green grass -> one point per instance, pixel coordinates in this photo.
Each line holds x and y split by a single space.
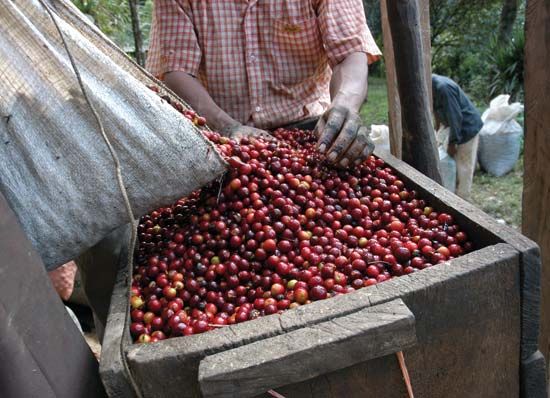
375 110
499 197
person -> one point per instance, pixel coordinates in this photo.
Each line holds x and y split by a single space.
453 109
250 65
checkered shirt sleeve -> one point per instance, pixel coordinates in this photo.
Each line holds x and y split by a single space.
344 30
173 43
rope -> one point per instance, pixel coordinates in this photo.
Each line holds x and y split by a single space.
405 373
119 179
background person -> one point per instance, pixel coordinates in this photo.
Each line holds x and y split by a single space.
453 109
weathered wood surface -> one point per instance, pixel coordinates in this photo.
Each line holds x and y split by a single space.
308 352
43 353
425 30
116 336
536 188
419 147
394 103
488 230
467 331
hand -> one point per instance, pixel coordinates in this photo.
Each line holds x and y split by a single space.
343 137
239 131
451 150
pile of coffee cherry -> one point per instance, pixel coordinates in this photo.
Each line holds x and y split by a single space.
282 229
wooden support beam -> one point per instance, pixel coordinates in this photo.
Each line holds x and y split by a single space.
419 147
43 353
536 183
394 103
425 31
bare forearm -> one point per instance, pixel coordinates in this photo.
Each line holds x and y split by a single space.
194 93
348 85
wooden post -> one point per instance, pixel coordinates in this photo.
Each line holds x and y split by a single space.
394 103
426 46
419 148
536 183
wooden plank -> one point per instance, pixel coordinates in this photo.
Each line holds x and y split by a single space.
486 230
425 31
467 336
112 368
43 352
323 348
419 148
536 188
394 104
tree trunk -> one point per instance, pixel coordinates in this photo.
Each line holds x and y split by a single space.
507 19
138 43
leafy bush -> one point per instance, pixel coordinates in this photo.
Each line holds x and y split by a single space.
461 32
506 66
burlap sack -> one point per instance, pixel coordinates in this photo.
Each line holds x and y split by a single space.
55 170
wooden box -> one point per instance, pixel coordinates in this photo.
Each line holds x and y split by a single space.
467 327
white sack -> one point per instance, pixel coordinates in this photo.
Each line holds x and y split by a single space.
447 166
500 136
499 113
446 163
380 136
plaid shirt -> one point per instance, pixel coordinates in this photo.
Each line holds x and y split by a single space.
264 62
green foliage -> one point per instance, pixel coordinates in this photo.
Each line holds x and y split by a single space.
113 18
461 31
374 21
506 66
372 11
464 47
375 110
